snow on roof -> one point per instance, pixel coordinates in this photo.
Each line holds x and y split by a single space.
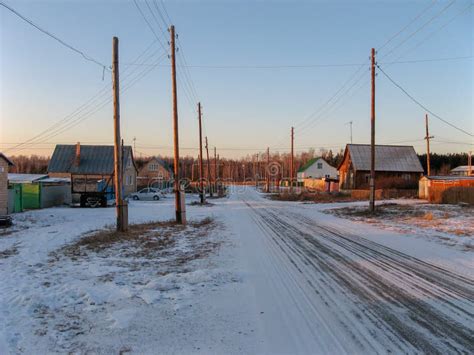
25 178
387 158
6 159
462 168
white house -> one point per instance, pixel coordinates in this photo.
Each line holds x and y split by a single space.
462 170
316 168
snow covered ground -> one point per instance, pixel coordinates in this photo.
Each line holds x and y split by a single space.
262 277
452 225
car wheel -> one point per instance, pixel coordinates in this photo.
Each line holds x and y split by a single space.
135 197
156 198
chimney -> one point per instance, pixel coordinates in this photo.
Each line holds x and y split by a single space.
77 159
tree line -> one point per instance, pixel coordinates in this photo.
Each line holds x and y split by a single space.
249 166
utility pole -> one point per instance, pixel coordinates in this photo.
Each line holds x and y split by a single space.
120 206
208 169
428 137
469 164
256 173
267 187
372 135
201 177
292 159
180 213
350 128
217 174
215 170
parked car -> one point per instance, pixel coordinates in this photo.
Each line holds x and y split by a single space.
147 194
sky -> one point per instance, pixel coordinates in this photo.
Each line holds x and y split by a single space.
257 67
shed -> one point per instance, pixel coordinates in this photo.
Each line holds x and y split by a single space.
462 170
5 164
395 166
33 191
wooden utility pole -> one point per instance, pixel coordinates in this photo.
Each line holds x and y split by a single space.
427 137
256 173
292 158
180 213
372 135
469 164
120 206
208 169
215 170
201 174
267 186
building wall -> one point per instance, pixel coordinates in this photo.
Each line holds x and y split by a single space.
362 178
3 187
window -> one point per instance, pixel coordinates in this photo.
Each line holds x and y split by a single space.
129 180
153 167
367 178
320 165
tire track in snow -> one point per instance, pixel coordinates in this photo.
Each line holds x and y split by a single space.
416 304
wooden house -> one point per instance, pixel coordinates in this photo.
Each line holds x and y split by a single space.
91 170
5 164
156 172
395 166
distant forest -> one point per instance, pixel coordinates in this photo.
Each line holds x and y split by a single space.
441 164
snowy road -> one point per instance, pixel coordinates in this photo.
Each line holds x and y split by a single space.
287 279
323 288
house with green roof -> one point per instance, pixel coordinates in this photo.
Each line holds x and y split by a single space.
316 168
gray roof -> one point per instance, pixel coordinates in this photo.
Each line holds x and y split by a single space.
25 178
397 158
95 159
462 168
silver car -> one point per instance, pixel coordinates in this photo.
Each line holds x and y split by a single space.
147 194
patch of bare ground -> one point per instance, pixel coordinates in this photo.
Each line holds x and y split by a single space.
145 244
455 220
312 197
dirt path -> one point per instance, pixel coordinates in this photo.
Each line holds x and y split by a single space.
352 294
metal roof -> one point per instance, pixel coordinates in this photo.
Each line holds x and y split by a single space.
25 178
387 158
448 178
94 159
462 168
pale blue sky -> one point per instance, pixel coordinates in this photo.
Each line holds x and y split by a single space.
245 109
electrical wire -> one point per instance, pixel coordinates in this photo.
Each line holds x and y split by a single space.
423 106
56 38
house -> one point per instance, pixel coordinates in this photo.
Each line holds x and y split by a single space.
33 191
395 166
5 164
316 168
91 170
462 170
447 189
156 172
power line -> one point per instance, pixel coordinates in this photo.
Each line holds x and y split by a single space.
419 28
93 101
88 109
62 42
421 105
